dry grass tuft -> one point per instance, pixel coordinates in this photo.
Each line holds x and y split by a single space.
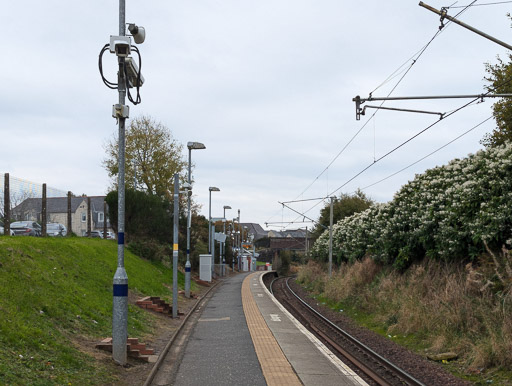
467 309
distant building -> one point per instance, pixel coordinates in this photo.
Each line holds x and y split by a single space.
57 211
255 230
291 233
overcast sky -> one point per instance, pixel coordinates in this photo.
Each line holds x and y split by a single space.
267 86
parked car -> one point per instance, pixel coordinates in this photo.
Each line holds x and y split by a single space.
26 228
2 231
111 235
56 229
97 234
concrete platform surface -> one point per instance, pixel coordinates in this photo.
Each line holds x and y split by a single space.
312 361
243 336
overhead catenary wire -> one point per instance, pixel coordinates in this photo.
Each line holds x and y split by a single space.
396 73
478 5
428 155
322 199
401 145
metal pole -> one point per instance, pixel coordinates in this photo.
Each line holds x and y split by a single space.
213 248
120 303
330 238
89 217
7 206
105 220
428 97
224 244
175 247
233 243
239 242
242 242
189 224
443 14
307 246
43 212
209 222
70 226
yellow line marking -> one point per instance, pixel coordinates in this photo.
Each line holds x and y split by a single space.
276 368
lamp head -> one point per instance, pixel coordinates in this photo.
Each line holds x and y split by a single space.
214 189
195 145
227 207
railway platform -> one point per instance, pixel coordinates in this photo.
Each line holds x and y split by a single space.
245 337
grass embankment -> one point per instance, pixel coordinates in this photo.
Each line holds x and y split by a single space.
55 292
431 308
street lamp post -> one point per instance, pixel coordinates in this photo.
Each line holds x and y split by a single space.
191 146
239 241
235 242
224 243
211 189
211 235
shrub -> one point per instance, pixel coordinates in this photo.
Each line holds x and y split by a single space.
441 305
446 213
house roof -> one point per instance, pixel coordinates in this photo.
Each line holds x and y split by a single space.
256 230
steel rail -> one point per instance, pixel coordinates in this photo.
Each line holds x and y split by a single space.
404 376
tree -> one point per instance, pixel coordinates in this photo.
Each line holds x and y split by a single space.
500 82
344 206
152 157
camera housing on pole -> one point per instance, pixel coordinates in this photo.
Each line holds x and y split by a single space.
138 33
121 46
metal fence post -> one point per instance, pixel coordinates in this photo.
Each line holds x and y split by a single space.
104 219
43 212
89 217
70 222
7 206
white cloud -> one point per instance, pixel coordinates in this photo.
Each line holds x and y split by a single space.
267 86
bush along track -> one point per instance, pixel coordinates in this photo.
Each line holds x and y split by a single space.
447 213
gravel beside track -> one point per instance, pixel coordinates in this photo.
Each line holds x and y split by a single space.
420 368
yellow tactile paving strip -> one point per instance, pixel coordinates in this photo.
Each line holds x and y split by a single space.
276 368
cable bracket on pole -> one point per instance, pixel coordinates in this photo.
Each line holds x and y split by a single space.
361 111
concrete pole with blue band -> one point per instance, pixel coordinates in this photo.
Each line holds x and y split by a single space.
120 302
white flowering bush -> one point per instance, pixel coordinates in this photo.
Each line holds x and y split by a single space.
446 213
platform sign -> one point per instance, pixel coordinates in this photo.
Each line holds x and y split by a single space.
221 237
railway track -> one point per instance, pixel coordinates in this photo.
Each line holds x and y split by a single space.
374 366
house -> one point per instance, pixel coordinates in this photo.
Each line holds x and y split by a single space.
289 233
255 230
57 211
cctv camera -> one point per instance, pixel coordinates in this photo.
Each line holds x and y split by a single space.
120 45
133 72
138 33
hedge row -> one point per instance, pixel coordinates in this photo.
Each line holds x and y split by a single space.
445 213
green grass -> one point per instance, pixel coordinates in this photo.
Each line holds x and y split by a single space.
56 290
